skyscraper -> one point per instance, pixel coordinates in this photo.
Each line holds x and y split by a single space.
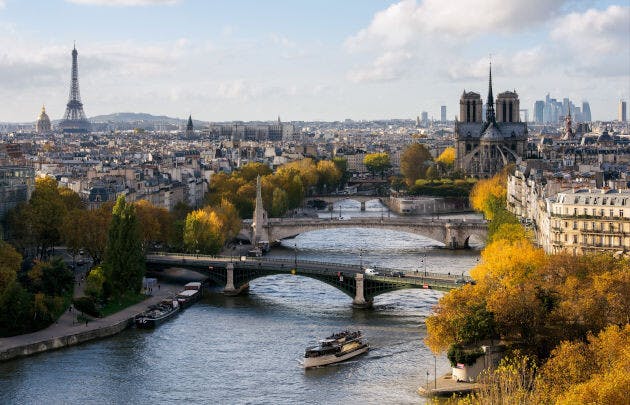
539 108
443 113
74 120
623 109
586 112
425 118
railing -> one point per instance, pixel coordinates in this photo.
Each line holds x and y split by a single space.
253 262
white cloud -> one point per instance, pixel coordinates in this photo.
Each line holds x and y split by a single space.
407 21
389 66
123 3
2 3
599 31
523 63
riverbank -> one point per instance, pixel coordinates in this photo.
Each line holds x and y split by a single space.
66 331
445 387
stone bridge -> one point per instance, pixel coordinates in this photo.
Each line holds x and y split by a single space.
453 233
330 199
234 275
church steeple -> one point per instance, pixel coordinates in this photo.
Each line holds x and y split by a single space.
490 117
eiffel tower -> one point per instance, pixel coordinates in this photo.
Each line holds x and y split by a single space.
74 120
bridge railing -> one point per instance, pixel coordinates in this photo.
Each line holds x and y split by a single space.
314 264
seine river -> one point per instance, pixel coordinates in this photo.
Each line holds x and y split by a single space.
246 350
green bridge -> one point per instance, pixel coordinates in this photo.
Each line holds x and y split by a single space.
234 274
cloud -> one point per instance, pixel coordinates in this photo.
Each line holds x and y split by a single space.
123 3
599 31
387 67
2 4
523 63
407 21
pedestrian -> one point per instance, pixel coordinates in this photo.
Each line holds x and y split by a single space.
158 287
86 321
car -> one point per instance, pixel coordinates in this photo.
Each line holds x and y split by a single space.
398 274
371 272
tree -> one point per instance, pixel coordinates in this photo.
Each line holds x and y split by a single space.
447 157
489 195
202 232
377 163
230 221
413 162
280 203
155 223
52 278
10 262
124 263
342 166
44 214
94 283
431 173
328 175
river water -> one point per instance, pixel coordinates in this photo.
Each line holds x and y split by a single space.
233 350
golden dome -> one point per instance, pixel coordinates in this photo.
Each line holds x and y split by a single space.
43 122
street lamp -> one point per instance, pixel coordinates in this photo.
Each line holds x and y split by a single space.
425 264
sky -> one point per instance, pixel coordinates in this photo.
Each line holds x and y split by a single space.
309 59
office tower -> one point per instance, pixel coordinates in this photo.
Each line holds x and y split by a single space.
425 118
539 108
443 113
622 111
586 112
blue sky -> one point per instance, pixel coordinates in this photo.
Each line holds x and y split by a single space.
308 60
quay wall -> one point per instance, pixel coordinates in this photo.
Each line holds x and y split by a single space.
66 341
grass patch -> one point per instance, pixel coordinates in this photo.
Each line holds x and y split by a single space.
118 304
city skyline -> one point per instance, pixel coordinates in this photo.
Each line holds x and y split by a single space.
358 60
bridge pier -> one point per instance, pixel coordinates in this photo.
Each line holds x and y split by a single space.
230 289
359 300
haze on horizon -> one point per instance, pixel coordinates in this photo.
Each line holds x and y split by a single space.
321 60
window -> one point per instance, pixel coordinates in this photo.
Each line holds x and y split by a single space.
575 225
575 239
611 212
574 211
585 212
620 213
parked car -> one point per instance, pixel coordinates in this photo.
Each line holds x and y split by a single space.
371 272
398 274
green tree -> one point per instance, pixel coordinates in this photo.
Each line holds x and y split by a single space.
52 278
10 261
342 166
124 263
413 163
377 163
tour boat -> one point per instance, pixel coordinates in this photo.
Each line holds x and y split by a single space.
335 348
156 314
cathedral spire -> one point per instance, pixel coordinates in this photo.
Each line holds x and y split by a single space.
490 117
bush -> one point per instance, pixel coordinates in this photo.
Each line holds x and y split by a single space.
87 305
456 354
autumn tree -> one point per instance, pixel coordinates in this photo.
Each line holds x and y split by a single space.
328 176
10 262
155 223
280 203
87 229
124 264
447 157
377 163
202 232
413 163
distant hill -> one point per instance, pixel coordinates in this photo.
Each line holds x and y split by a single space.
137 117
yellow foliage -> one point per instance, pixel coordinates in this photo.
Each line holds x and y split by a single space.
508 263
488 193
589 373
447 157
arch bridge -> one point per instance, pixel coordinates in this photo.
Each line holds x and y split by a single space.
454 233
235 275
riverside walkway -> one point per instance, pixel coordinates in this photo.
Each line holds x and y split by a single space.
234 274
68 332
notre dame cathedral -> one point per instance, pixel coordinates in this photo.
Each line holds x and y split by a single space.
483 147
